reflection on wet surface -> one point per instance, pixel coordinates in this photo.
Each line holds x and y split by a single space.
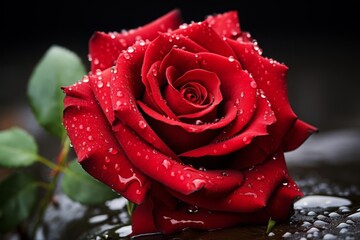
326 168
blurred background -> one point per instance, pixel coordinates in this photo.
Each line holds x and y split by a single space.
318 42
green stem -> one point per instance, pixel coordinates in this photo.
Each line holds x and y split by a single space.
56 169
47 162
43 185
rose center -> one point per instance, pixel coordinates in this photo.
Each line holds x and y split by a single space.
193 92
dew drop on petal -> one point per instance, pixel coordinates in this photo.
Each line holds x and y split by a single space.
253 84
198 183
142 124
113 151
100 84
166 163
231 58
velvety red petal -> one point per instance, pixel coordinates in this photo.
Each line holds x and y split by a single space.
260 183
297 135
142 220
156 51
175 175
279 208
181 136
205 36
225 24
226 144
184 108
270 76
126 87
105 48
96 147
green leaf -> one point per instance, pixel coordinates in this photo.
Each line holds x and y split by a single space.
82 187
17 148
270 226
58 67
17 200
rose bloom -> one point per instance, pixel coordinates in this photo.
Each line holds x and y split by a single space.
188 121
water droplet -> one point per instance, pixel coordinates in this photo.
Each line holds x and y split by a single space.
231 58
193 209
81 126
166 163
225 174
96 61
130 49
253 84
107 159
246 140
271 234
202 169
199 122
142 124
154 72
198 183
90 138
119 93
113 151
88 129
126 55
260 178
100 84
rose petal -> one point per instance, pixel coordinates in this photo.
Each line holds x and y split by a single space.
181 136
142 220
157 50
204 35
100 84
105 47
184 108
225 24
297 135
97 150
227 142
270 76
169 221
173 174
236 85
126 87
252 195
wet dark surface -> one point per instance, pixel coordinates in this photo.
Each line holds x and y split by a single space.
327 174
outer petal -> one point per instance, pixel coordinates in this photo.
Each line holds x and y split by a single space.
168 221
252 195
230 141
96 147
105 47
173 174
270 76
126 87
226 24
297 135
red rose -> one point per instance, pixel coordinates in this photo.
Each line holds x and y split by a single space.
188 121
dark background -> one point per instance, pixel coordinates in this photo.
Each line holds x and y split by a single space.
318 42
